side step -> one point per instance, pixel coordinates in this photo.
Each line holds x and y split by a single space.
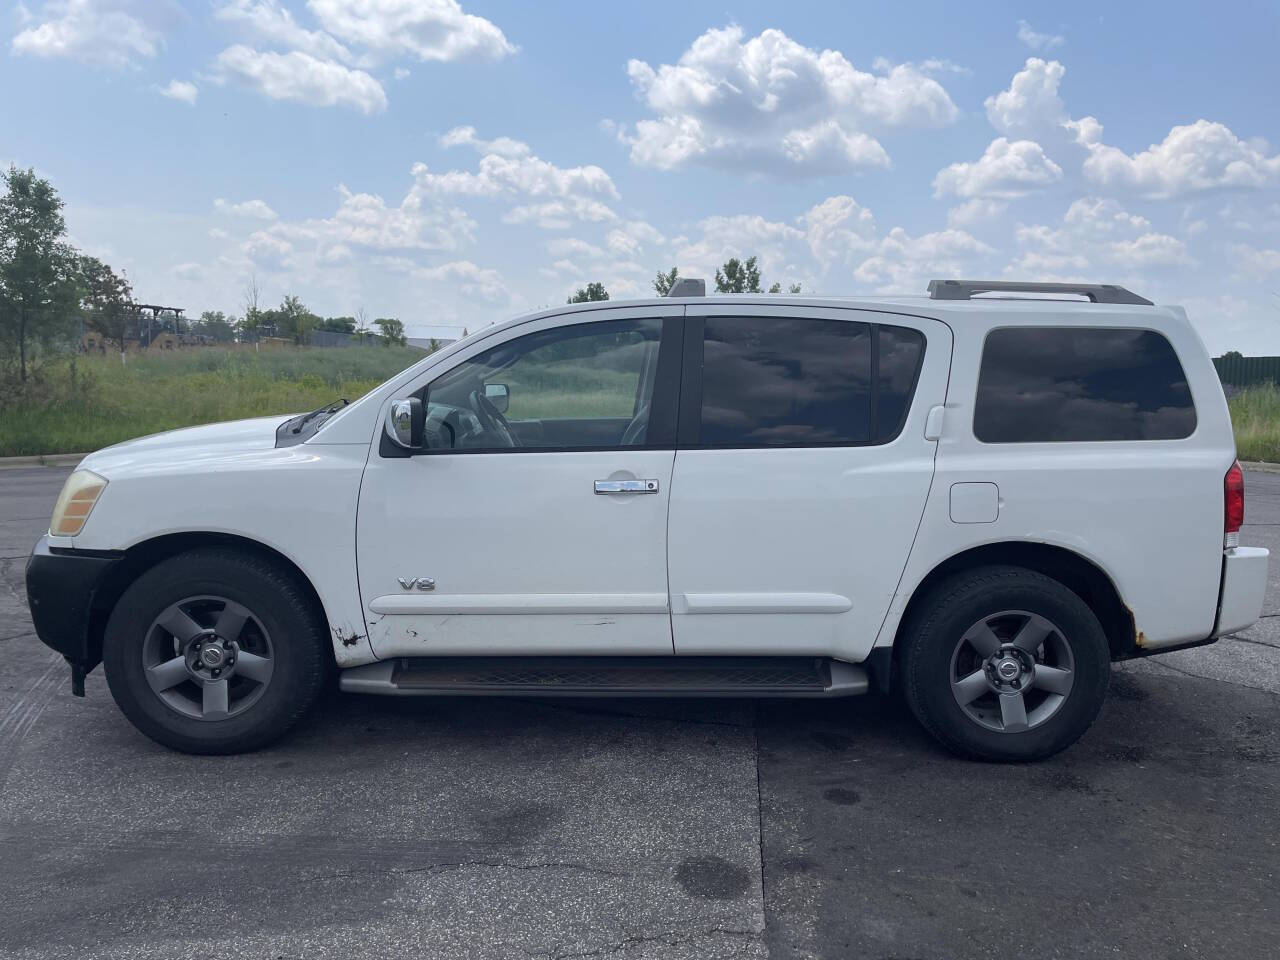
608 677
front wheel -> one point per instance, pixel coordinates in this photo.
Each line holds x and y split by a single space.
215 651
1003 663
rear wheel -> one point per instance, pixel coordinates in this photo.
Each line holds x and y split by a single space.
1002 663
215 651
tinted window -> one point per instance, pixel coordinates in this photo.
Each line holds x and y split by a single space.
1056 384
784 381
898 362
576 387
780 381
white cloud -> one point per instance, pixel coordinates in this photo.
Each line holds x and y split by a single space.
632 237
269 21
574 247
742 236
469 279
1096 235
771 104
903 263
1256 261
249 209
1103 215
301 77
975 211
426 29
1005 170
1036 40
180 90
509 168
1195 157
836 227
96 32
1031 104
466 136
1149 250
560 214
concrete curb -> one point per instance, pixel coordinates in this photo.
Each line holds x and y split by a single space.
1260 466
43 460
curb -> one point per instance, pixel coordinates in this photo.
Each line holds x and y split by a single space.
43 460
1260 466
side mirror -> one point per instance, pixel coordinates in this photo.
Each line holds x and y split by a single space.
499 394
406 424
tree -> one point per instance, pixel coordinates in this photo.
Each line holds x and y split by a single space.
392 331
663 282
38 277
250 326
738 277
215 325
777 288
294 320
589 294
337 325
108 302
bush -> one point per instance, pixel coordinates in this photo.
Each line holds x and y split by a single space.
1255 415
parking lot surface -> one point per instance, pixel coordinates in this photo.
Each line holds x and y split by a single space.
526 828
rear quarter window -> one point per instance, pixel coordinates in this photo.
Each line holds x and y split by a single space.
1062 384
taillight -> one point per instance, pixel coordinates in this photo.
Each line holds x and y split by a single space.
1233 515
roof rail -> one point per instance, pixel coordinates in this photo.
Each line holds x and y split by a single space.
1097 292
688 287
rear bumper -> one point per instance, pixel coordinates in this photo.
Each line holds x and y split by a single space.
61 586
1244 586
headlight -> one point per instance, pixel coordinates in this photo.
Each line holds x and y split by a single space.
75 503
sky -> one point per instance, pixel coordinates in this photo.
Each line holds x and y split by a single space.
452 164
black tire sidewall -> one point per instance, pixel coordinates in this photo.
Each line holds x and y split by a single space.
275 600
961 602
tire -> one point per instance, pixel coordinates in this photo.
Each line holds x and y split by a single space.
959 659
188 687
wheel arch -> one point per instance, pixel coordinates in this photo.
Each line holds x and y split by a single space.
1077 573
146 554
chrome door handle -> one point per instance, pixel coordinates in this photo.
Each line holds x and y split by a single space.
626 486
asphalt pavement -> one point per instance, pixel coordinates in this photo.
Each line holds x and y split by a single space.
637 829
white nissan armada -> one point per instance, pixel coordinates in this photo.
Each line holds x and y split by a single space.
979 501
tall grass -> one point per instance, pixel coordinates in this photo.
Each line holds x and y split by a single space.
110 402
1255 415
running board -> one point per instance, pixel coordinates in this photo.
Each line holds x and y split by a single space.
608 677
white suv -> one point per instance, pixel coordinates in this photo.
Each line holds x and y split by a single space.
981 501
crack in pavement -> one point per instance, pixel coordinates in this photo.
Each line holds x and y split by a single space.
1200 676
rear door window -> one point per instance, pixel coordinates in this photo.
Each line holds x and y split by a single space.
798 382
1062 384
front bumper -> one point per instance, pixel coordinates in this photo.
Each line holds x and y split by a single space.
61 586
1244 586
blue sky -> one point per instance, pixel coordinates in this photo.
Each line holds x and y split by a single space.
454 164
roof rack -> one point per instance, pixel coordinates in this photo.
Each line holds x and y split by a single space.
1097 292
688 287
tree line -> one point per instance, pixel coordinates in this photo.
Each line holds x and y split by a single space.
735 276
50 293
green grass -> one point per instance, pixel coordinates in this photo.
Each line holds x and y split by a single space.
111 402
1255 415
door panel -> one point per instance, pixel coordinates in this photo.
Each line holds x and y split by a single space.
792 549
525 556
501 544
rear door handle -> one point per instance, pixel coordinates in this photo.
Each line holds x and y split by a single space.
626 486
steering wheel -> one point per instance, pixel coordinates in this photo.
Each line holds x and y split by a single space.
635 432
492 420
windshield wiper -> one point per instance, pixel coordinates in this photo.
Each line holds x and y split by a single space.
326 410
